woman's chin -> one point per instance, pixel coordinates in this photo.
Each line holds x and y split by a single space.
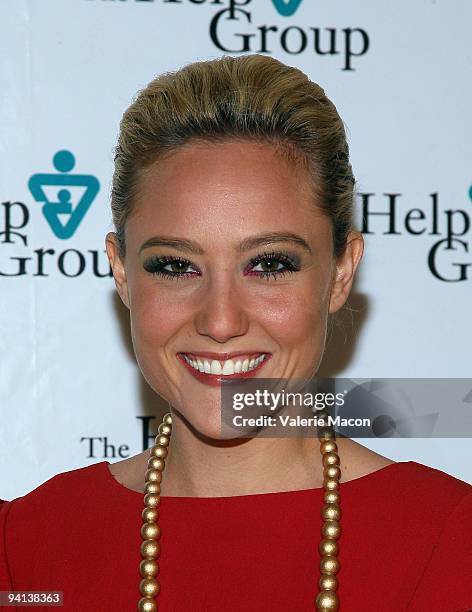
208 425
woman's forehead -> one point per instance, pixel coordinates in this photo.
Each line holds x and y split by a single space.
234 179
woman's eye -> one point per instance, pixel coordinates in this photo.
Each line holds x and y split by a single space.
269 265
169 267
176 267
273 265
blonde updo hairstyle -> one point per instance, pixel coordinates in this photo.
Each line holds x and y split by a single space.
250 97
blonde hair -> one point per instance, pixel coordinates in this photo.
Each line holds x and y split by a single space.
254 97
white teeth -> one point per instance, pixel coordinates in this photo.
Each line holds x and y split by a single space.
229 366
216 367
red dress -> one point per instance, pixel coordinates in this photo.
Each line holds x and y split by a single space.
406 545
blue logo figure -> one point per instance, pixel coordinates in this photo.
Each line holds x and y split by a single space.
64 162
286 8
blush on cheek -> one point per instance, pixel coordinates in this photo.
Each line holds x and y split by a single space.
299 327
294 316
155 321
156 317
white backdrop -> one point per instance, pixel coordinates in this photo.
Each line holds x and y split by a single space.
400 75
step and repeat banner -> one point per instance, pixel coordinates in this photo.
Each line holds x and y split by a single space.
399 73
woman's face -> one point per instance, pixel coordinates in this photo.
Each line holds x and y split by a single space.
226 252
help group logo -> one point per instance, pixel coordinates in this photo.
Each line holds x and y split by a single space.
65 197
64 216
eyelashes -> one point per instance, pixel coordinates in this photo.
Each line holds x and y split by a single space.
289 263
157 263
175 268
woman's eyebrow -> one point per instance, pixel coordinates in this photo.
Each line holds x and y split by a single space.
272 237
183 244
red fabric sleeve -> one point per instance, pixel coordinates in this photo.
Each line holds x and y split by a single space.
446 583
5 578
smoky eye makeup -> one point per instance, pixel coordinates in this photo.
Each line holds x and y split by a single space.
169 266
291 260
268 265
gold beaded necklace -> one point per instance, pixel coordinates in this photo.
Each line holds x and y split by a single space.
326 598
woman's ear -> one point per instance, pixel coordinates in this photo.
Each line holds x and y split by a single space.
117 266
346 266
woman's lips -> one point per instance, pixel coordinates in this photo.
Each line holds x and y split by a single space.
215 379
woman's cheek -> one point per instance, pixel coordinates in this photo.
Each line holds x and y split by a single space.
155 320
292 319
156 313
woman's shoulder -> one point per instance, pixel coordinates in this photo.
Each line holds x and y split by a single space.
425 494
422 481
77 488
79 504
43 515
433 481
403 482
434 510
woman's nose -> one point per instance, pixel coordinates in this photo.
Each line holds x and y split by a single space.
222 313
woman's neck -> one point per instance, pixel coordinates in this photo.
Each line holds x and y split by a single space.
196 467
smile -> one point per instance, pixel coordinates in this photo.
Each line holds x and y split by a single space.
212 371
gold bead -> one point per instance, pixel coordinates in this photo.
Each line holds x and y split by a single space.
162 440
147 605
152 487
167 418
159 451
329 565
326 434
328 547
165 429
150 515
328 446
149 587
331 512
155 463
332 471
150 549
327 600
330 459
152 500
331 530
332 497
150 531
148 568
153 475
331 484
328 582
